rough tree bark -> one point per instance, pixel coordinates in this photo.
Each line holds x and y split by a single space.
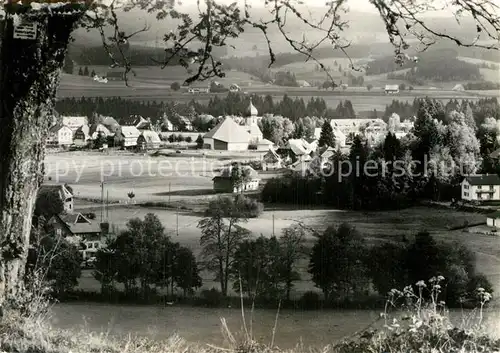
29 76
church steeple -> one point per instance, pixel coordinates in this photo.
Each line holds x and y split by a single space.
251 114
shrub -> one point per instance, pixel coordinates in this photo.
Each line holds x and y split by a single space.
189 139
250 206
310 300
212 297
175 86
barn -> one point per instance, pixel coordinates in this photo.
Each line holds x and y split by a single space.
227 136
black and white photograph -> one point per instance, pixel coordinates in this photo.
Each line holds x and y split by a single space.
250 176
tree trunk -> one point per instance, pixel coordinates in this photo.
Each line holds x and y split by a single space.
29 76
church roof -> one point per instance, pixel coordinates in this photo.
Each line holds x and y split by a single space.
228 131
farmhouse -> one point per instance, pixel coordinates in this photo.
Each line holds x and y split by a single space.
98 129
64 194
271 161
82 136
227 136
459 87
110 123
353 126
186 123
76 224
296 149
375 131
391 89
225 183
481 187
60 135
149 140
493 219
74 122
127 136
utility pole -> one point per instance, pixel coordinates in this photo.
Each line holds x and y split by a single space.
273 224
102 201
107 205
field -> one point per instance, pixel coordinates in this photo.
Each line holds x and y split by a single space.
153 83
203 325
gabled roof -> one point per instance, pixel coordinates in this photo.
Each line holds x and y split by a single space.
483 179
108 121
495 215
85 129
79 224
151 136
130 131
57 127
228 131
132 120
328 153
392 87
254 130
98 127
271 156
299 146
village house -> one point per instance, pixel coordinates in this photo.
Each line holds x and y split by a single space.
188 126
295 150
60 136
148 140
98 129
340 137
224 183
62 191
127 137
264 145
227 136
133 120
493 220
271 161
375 131
75 224
391 89
110 123
481 187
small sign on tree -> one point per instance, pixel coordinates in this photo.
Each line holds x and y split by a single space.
25 30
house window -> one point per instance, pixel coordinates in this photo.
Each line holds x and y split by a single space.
58 232
466 186
479 187
89 245
492 187
466 194
96 245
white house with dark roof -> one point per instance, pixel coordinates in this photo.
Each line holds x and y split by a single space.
227 136
481 187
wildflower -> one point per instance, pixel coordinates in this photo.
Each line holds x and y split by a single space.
437 287
432 280
480 289
421 284
440 278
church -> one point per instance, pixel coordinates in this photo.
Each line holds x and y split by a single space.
228 135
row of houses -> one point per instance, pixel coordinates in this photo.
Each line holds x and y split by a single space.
134 131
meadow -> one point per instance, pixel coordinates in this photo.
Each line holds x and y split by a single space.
153 83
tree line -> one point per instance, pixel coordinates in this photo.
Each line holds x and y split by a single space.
339 260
